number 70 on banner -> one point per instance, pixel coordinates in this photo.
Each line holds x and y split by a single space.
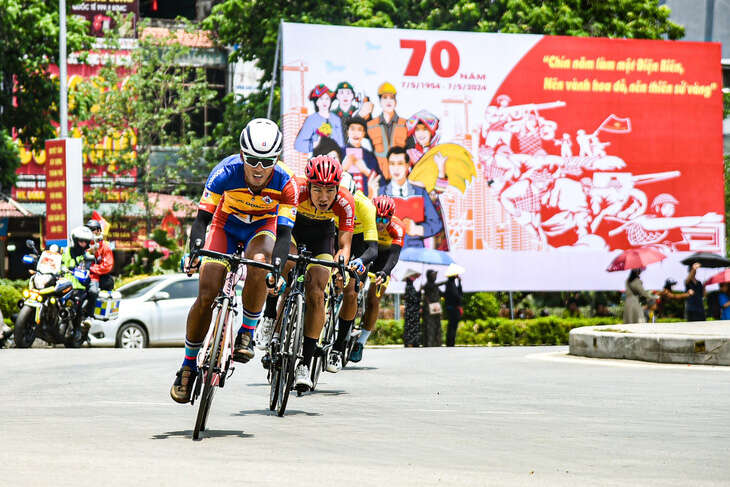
418 53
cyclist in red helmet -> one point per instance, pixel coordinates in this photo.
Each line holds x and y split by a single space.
321 202
390 242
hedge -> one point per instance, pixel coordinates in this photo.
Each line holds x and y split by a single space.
551 330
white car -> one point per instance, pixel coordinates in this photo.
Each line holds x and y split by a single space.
153 311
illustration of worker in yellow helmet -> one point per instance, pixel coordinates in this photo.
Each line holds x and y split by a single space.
387 130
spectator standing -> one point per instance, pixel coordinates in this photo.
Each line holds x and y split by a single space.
412 322
724 300
452 298
633 311
694 306
432 334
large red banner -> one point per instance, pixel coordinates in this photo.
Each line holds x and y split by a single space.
537 158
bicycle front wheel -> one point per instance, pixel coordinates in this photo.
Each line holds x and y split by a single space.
291 344
212 355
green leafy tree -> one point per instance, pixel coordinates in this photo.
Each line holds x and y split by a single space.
253 26
150 101
28 95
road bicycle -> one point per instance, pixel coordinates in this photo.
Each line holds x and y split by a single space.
215 359
333 304
354 333
286 351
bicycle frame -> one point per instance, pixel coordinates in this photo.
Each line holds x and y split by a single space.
227 303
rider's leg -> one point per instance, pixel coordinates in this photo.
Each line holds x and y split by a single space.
315 283
371 316
255 289
212 276
347 315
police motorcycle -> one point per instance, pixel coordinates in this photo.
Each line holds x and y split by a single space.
43 299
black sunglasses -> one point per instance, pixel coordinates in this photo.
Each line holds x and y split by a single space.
265 162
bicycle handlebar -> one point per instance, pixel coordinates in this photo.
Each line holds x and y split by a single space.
384 284
240 260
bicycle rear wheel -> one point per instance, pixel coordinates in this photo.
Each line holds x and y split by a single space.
291 344
211 363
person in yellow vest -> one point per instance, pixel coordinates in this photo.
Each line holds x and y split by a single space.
388 130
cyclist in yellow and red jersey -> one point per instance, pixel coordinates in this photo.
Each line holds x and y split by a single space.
321 202
390 242
364 251
248 198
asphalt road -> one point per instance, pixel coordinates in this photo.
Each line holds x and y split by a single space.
464 416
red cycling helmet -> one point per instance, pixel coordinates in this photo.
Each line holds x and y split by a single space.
324 170
384 205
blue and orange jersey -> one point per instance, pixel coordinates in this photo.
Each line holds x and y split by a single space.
392 234
226 194
342 211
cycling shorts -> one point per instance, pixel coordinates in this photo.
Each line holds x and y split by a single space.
317 235
225 240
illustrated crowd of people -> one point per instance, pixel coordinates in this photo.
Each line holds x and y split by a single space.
380 152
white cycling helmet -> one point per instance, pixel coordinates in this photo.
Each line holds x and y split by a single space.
81 233
261 138
348 182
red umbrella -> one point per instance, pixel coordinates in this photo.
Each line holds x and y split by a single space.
635 259
723 276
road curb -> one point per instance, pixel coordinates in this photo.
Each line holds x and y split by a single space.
702 343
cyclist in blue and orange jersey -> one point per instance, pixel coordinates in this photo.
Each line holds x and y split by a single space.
251 199
321 202
390 242
364 251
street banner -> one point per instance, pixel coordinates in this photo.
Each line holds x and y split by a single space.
531 160
64 190
100 13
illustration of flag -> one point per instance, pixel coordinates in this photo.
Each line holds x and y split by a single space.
104 224
615 125
170 223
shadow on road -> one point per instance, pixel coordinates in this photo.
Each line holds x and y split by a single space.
266 412
334 392
350 367
205 434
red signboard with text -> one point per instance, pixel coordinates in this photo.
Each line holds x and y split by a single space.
56 224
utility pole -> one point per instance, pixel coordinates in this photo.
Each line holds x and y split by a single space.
62 68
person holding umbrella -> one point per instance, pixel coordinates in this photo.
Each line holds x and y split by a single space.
636 260
694 306
633 311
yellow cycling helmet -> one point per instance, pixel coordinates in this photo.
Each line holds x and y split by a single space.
386 89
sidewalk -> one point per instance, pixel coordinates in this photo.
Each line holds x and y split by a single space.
701 343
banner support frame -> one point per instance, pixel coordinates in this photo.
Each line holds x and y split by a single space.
274 71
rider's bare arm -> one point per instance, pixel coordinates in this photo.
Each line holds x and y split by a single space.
345 241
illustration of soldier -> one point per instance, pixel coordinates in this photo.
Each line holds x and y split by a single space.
346 105
657 228
566 146
321 123
523 200
359 161
412 203
387 130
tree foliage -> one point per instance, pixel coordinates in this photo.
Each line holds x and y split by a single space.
152 100
28 96
253 25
